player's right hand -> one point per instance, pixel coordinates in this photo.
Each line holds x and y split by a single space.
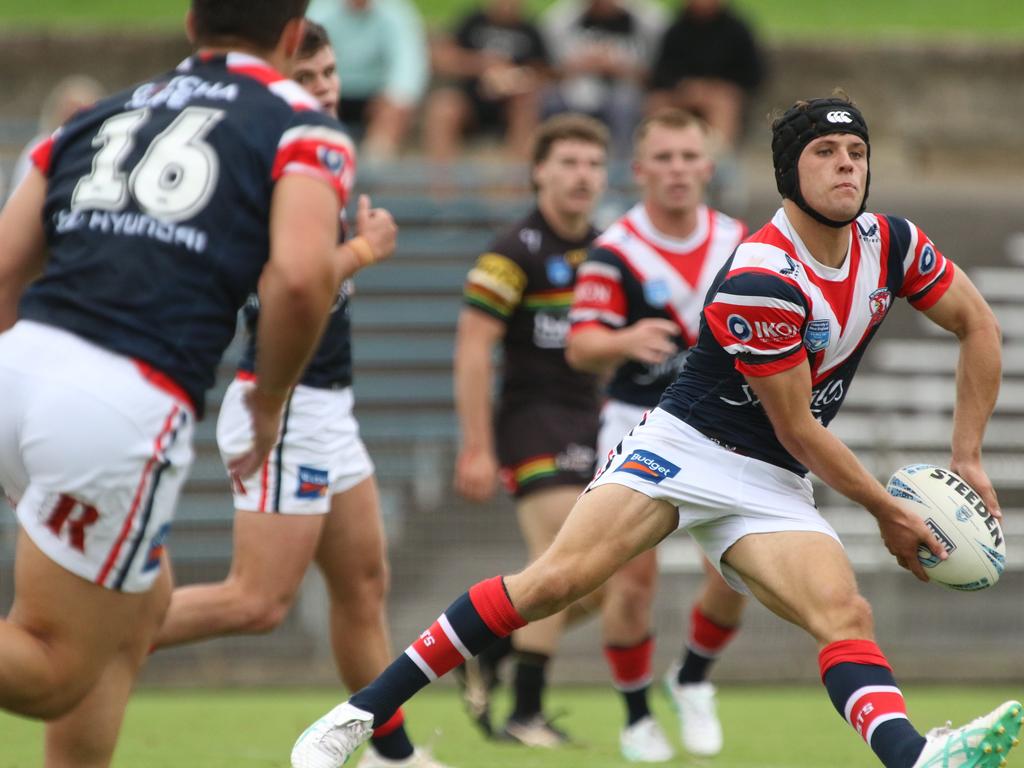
265 411
651 340
476 475
377 226
903 531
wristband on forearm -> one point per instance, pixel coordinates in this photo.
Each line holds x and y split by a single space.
363 250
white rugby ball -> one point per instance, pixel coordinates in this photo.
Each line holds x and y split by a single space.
957 516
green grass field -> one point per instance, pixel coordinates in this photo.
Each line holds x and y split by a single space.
807 19
766 727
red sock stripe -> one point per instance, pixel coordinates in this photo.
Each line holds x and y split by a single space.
851 652
397 721
631 666
706 637
437 649
492 603
873 705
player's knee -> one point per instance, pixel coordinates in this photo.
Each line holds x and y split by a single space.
554 586
365 590
262 614
847 619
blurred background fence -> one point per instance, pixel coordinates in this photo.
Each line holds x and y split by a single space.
948 153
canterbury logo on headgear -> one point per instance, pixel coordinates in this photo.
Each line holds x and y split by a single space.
799 126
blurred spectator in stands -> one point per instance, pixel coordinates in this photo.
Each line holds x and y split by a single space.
381 49
708 63
602 51
492 70
67 97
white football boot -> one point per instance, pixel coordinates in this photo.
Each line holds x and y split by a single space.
645 742
331 740
982 743
699 727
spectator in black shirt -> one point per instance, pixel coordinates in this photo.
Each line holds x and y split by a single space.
709 64
603 51
494 64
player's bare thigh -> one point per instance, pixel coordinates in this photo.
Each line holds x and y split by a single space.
352 551
62 631
272 553
608 525
806 578
542 513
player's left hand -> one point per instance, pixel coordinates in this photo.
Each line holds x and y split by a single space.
265 410
975 476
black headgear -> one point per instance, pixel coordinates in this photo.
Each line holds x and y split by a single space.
797 128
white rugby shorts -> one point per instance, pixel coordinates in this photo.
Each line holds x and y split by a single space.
721 496
318 455
617 419
93 454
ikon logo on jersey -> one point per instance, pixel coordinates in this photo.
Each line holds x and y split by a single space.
649 466
775 331
739 327
818 335
312 483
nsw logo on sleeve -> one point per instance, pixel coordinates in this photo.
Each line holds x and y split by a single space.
818 335
649 466
312 483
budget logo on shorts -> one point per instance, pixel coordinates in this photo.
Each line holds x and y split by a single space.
656 293
649 466
156 549
559 271
312 483
818 335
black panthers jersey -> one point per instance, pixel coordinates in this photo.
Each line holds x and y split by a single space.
526 281
773 306
157 209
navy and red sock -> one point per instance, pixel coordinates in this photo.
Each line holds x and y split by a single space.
475 620
863 690
631 675
703 645
391 739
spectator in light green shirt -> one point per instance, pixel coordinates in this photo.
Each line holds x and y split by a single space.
382 59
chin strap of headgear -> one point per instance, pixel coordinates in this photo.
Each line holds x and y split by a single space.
797 128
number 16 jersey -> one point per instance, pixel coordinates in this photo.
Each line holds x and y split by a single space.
158 205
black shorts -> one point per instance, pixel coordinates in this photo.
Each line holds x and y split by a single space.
545 446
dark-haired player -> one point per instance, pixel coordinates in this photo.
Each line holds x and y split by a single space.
543 431
315 498
146 222
725 455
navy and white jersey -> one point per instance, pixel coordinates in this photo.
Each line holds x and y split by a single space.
774 306
331 365
634 272
157 209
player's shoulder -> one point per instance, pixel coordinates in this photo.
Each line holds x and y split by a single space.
729 226
523 242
